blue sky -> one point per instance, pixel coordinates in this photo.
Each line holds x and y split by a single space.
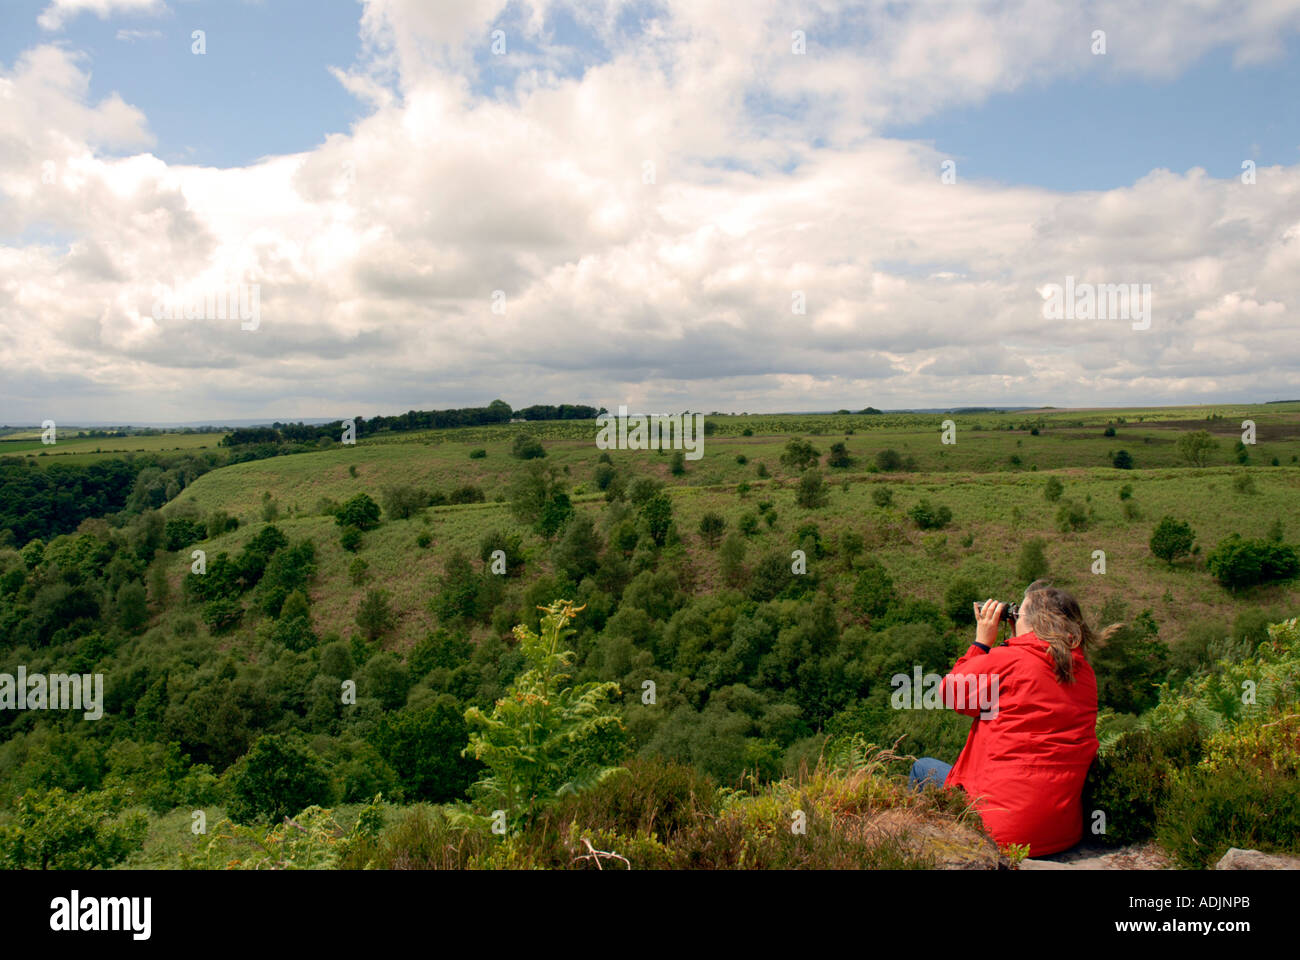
380 219
264 88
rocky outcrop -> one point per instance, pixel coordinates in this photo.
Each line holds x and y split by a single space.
1236 859
1141 856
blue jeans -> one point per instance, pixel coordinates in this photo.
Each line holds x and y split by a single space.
928 772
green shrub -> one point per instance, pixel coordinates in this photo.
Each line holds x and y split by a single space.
812 493
711 527
527 447
1208 811
277 778
57 830
1032 564
1171 539
882 496
927 517
1128 782
1238 563
1053 489
477 454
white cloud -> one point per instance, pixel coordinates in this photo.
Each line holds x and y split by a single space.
377 253
59 12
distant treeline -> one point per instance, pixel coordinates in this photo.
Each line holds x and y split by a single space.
498 411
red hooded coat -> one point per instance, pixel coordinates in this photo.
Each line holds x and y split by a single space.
1025 762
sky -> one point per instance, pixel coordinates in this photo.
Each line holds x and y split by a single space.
741 205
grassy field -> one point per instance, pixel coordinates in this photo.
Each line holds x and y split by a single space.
70 448
996 504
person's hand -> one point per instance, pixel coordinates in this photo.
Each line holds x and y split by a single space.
987 617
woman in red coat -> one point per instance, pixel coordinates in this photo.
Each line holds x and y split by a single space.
1034 700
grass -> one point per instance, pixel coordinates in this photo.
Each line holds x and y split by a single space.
82 450
996 506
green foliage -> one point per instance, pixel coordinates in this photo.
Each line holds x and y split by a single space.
839 456
1053 489
1131 665
1238 563
477 454
928 517
375 615
350 539
424 746
873 592
812 493
402 501
1032 564
712 526
677 465
1196 447
882 496
275 779
360 512
1071 517
1208 811
1123 460
56 830
222 615
799 455
888 461
958 598
545 738
1129 781
1171 539
527 447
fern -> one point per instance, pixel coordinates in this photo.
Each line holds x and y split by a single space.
543 739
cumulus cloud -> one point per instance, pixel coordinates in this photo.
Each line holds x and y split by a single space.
696 216
59 12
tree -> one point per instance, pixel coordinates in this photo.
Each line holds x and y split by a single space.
546 737
360 512
711 527
403 501
374 616
577 552
732 559
1196 447
678 464
889 461
1123 460
424 747
839 456
1238 563
1053 489
658 515
799 455
350 539
812 492
532 488
1033 561
56 830
928 517
958 600
1171 539
132 606
873 594
527 447
1071 516
277 778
